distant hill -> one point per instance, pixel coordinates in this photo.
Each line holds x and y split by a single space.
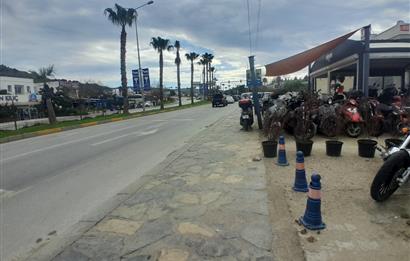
11 72
93 90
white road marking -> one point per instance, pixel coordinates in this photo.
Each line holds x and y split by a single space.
115 138
69 134
148 132
138 133
63 144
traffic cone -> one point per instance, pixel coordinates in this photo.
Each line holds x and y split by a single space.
282 161
313 217
300 174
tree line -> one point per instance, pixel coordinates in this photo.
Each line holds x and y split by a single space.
124 17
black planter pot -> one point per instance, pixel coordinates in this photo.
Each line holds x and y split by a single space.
392 142
333 148
270 148
304 146
367 148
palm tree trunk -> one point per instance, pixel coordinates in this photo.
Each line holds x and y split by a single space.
192 81
207 80
123 70
204 81
161 87
179 86
50 111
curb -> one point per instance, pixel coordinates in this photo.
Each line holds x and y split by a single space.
82 125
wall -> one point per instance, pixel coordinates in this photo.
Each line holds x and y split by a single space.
6 81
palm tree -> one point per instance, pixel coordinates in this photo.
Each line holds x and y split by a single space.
122 17
178 63
47 92
209 59
160 45
211 71
203 62
191 57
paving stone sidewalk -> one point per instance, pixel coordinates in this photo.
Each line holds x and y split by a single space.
209 204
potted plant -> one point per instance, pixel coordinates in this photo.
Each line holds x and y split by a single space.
332 122
367 147
305 128
272 127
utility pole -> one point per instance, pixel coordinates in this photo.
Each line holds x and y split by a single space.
366 62
254 90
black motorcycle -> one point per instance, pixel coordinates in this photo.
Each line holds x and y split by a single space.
246 119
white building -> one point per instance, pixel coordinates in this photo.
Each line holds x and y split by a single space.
18 87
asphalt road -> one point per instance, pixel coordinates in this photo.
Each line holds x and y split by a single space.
49 183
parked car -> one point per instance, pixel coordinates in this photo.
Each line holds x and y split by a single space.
218 99
236 97
149 104
229 99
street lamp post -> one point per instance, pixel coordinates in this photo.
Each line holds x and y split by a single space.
140 82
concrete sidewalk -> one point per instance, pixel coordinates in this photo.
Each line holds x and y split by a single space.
209 203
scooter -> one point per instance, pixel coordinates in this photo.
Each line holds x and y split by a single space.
246 119
394 172
353 119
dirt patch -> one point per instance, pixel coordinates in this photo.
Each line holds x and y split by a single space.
357 227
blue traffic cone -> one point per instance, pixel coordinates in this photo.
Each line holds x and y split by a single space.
282 161
300 174
313 217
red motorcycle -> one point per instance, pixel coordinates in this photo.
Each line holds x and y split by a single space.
353 121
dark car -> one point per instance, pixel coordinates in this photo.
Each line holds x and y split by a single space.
218 100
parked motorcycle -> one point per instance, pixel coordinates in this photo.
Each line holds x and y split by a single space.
326 118
246 119
394 172
372 116
352 119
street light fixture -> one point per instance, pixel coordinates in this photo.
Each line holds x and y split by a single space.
140 82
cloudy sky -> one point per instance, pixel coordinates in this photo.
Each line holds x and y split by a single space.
77 38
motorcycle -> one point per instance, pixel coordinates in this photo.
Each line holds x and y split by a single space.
326 118
394 172
352 118
396 116
246 119
374 118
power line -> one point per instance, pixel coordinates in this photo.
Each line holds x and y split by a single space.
249 26
257 24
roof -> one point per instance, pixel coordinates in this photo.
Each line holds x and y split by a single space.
11 72
345 49
301 60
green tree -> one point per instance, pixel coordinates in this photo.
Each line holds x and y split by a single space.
192 57
178 63
121 16
161 45
47 92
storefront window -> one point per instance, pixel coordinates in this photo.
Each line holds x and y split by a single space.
9 89
28 89
18 89
392 80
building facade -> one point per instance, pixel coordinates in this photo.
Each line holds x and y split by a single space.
389 56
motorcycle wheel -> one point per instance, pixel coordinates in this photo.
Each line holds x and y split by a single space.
353 129
246 126
385 181
329 127
309 133
375 127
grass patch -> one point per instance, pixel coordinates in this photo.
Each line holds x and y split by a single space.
41 127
